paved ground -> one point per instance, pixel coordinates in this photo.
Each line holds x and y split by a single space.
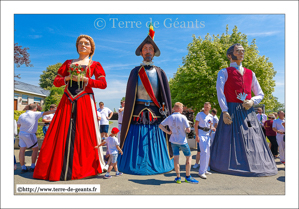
216 183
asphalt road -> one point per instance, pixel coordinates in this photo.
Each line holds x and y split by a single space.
216 184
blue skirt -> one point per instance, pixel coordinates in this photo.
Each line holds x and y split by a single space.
241 148
145 151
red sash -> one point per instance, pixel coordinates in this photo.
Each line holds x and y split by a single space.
147 85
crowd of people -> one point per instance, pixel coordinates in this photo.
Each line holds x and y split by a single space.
150 134
205 129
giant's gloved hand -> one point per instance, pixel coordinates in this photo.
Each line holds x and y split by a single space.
226 118
247 104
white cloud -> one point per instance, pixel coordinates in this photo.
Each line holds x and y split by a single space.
277 84
51 30
115 41
35 36
268 33
116 89
101 47
120 66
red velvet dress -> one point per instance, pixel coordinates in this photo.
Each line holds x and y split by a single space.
67 151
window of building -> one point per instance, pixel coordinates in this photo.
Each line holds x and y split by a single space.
24 99
16 96
37 100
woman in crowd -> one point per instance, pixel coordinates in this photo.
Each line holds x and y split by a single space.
271 135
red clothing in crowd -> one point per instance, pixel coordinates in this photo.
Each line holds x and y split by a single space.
268 128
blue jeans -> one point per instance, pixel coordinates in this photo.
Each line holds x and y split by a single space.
184 147
114 158
104 128
45 129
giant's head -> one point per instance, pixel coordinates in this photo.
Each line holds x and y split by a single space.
147 51
148 48
235 52
86 45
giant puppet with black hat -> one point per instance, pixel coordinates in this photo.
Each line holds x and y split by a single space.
146 148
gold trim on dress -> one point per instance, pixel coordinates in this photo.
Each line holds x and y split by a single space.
76 94
149 111
131 115
167 143
101 76
59 75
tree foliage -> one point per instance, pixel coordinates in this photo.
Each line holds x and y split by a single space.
21 57
48 76
278 107
54 97
194 83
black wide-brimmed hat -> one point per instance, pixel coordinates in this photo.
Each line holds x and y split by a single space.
150 39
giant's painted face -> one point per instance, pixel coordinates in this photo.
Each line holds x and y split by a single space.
147 52
238 53
84 46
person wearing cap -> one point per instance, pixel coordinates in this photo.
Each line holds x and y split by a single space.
113 148
147 149
271 135
240 147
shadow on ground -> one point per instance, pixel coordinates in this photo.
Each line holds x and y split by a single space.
281 178
150 181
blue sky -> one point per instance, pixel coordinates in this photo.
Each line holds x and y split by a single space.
51 39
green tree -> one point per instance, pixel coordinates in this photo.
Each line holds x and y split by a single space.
54 97
194 83
279 106
48 76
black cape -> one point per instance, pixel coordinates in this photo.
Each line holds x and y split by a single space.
130 100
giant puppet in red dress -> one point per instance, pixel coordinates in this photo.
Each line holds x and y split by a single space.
67 151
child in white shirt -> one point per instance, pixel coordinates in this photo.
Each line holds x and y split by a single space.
178 125
113 148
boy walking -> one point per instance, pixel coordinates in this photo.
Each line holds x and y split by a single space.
203 125
113 148
178 125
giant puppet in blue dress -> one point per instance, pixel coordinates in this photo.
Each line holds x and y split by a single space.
146 148
240 147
